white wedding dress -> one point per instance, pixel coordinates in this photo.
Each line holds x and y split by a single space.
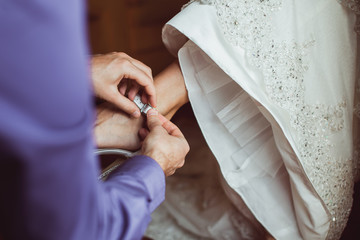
272 84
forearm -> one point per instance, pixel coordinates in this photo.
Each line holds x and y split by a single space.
170 89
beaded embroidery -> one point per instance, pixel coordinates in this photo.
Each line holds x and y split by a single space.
247 23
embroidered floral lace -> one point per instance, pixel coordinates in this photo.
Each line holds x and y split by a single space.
246 23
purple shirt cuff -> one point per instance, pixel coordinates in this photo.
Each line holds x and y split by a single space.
148 171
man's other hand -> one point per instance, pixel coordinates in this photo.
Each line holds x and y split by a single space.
164 142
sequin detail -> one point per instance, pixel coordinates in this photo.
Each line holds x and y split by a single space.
247 23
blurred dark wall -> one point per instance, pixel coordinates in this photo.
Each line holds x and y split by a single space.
133 27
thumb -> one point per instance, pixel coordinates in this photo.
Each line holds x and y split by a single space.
153 119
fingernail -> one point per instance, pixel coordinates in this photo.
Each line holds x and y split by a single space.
152 112
136 114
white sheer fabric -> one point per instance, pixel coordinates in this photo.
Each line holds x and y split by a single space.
272 84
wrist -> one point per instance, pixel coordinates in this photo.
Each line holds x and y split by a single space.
169 101
157 156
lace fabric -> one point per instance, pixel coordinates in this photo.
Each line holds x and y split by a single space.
283 65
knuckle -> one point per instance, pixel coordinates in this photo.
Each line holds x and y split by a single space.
122 62
112 96
182 163
186 147
121 55
149 70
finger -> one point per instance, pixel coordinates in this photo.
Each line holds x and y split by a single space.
142 66
170 173
152 99
133 91
170 127
153 119
134 73
143 132
162 119
181 164
144 98
124 104
122 88
146 69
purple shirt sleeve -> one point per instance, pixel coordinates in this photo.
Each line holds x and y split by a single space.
48 172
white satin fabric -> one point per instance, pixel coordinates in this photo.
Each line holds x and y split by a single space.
258 150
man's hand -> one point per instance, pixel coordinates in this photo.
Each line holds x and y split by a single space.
111 73
115 129
164 143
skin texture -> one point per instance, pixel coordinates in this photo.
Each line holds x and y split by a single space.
112 124
171 90
164 142
118 125
116 129
116 74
